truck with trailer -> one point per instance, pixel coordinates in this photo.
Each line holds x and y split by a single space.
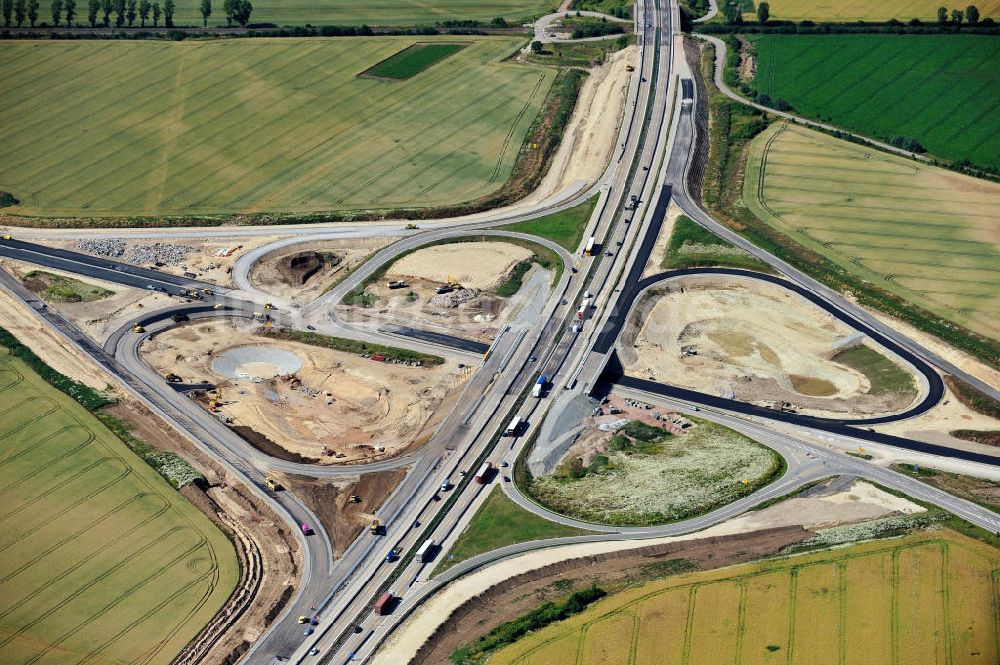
581 313
484 473
384 604
536 390
426 551
588 250
514 427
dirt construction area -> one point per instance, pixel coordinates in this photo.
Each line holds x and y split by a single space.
306 403
756 342
470 274
303 272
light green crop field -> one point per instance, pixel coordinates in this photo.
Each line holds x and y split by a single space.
844 11
942 90
927 598
926 234
358 12
146 128
101 560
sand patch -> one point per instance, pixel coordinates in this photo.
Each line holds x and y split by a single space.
475 265
752 341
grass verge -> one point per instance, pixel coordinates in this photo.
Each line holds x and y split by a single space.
565 227
972 398
883 374
980 491
59 288
391 353
500 522
692 245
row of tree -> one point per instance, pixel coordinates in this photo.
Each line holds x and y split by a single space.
971 15
734 14
125 11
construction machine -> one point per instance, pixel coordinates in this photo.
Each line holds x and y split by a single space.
272 484
375 528
411 226
355 498
138 328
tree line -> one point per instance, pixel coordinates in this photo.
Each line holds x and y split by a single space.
733 12
126 12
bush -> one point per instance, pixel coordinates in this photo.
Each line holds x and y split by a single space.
907 143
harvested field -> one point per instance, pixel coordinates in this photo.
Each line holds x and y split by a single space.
304 272
338 408
440 628
923 595
357 12
71 145
864 10
856 207
103 560
760 343
643 475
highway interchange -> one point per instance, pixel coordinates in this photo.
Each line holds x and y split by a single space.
656 144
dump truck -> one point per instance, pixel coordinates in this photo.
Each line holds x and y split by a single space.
375 528
272 484
138 328
411 226
355 498
268 305
536 390
483 473
444 289
306 529
384 604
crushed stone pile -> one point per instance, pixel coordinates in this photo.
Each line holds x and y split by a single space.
158 252
455 298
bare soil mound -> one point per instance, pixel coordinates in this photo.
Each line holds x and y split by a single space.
296 269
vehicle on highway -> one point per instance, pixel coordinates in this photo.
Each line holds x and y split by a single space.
150 287
384 604
314 651
504 464
426 551
303 619
306 529
506 479
484 473
539 387
514 427
393 554
308 631
608 252
446 485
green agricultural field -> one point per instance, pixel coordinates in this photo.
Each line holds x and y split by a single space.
942 90
844 11
930 597
358 12
102 561
925 234
412 60
148 128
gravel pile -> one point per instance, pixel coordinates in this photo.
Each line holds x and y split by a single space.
455 298
158 252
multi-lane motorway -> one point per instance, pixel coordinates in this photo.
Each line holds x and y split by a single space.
656 142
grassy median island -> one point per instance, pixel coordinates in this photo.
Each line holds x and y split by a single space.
926 597
498 523
643 475
103 560
412 60
565 227
692 245
884 375
391 353
59 288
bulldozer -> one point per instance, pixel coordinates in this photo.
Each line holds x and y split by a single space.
355 498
